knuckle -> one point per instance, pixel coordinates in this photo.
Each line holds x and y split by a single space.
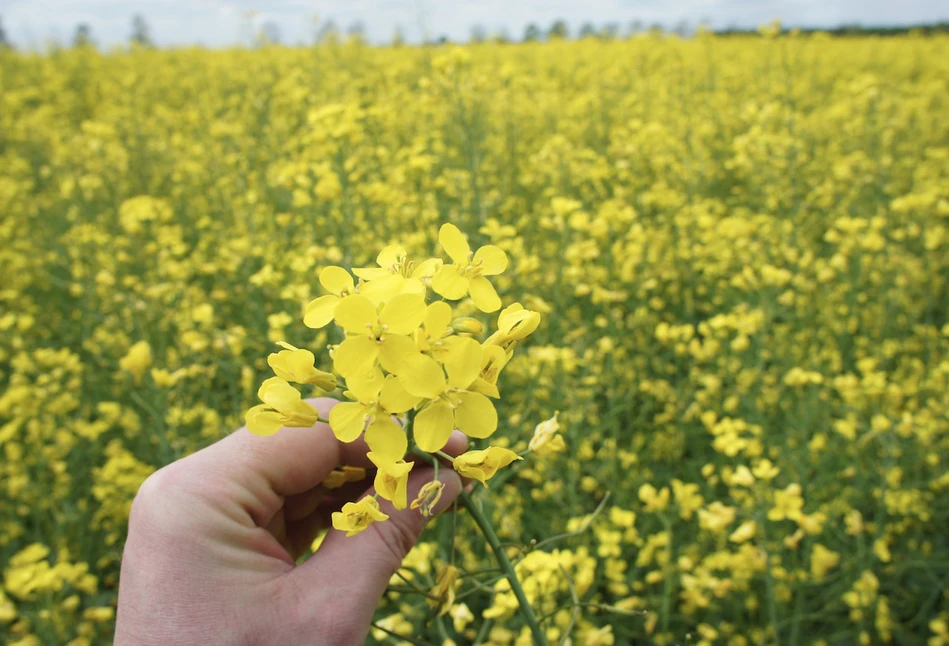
155 492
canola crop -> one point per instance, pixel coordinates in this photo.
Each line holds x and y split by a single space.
739 248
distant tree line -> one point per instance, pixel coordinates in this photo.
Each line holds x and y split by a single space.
855 29
559 30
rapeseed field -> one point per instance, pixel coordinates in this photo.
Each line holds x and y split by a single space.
734 407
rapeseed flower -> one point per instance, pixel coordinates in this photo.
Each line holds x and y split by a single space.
391 478
138 360
356 517
376 399
467 273
382 335
339 284
452 401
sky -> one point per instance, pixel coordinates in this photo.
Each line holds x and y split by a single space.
216 23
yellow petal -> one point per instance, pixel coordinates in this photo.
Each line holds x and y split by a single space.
356 313
474 473
449 283
497 457
391 478
395 398
293 365
347 420
483 294
278 394
433 426
414 286
320 311
337 280
403 314
475 416
471 465
453 240
386 438
366 387
393 351
422 376
390 255
355 356
493 260
261 420
463 362
427 268
516 322
437 318
382 289
482 385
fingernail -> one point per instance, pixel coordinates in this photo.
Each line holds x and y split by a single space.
452 483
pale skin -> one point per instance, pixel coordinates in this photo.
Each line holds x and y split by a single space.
213 541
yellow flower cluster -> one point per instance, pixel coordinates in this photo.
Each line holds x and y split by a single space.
739 248
402 354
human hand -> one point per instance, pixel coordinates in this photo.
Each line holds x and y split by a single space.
213 538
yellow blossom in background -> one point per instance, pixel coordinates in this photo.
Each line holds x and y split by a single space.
745 532
443 594
137 360
461 616
655 500
822 561
546 438
787 503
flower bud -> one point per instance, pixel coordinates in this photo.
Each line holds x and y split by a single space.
543 434
467 325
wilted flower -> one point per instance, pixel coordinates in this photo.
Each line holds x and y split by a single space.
428 497
484 464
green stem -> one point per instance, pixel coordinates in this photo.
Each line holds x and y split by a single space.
484 632
504 562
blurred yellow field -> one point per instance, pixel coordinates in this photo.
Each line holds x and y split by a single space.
739 248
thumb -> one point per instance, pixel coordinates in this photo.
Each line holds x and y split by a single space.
355 571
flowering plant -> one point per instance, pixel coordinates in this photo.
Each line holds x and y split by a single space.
414 370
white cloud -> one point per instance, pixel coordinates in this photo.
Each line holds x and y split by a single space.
223 22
